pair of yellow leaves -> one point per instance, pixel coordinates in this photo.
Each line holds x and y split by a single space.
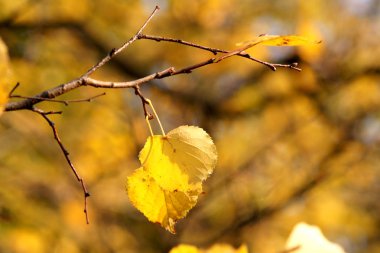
168 183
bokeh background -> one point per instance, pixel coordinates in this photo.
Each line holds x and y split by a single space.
293 146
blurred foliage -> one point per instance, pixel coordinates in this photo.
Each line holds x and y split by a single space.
305 238
4 75
292 146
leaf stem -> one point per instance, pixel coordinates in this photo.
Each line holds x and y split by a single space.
156 115
150 127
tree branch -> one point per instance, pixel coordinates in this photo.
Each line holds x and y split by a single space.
85 80
66 154
131 84
239 52
65 102
64 88
114 51
48 95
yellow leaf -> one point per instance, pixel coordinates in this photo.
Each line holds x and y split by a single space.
184 248
308 27
168 184
309 239
158 204
225 248
216 248
277 40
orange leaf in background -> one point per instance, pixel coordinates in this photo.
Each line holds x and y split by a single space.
270 40
277 40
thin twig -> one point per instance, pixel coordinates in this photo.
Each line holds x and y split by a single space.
114 51
66 154
188 70
13 90
179 41
65 102
53 112
90 99
239 52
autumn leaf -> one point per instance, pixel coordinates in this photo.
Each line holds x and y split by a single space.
270 40
184 248
216 248
168 183
277 40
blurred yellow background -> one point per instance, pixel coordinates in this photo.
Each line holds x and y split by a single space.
292 146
